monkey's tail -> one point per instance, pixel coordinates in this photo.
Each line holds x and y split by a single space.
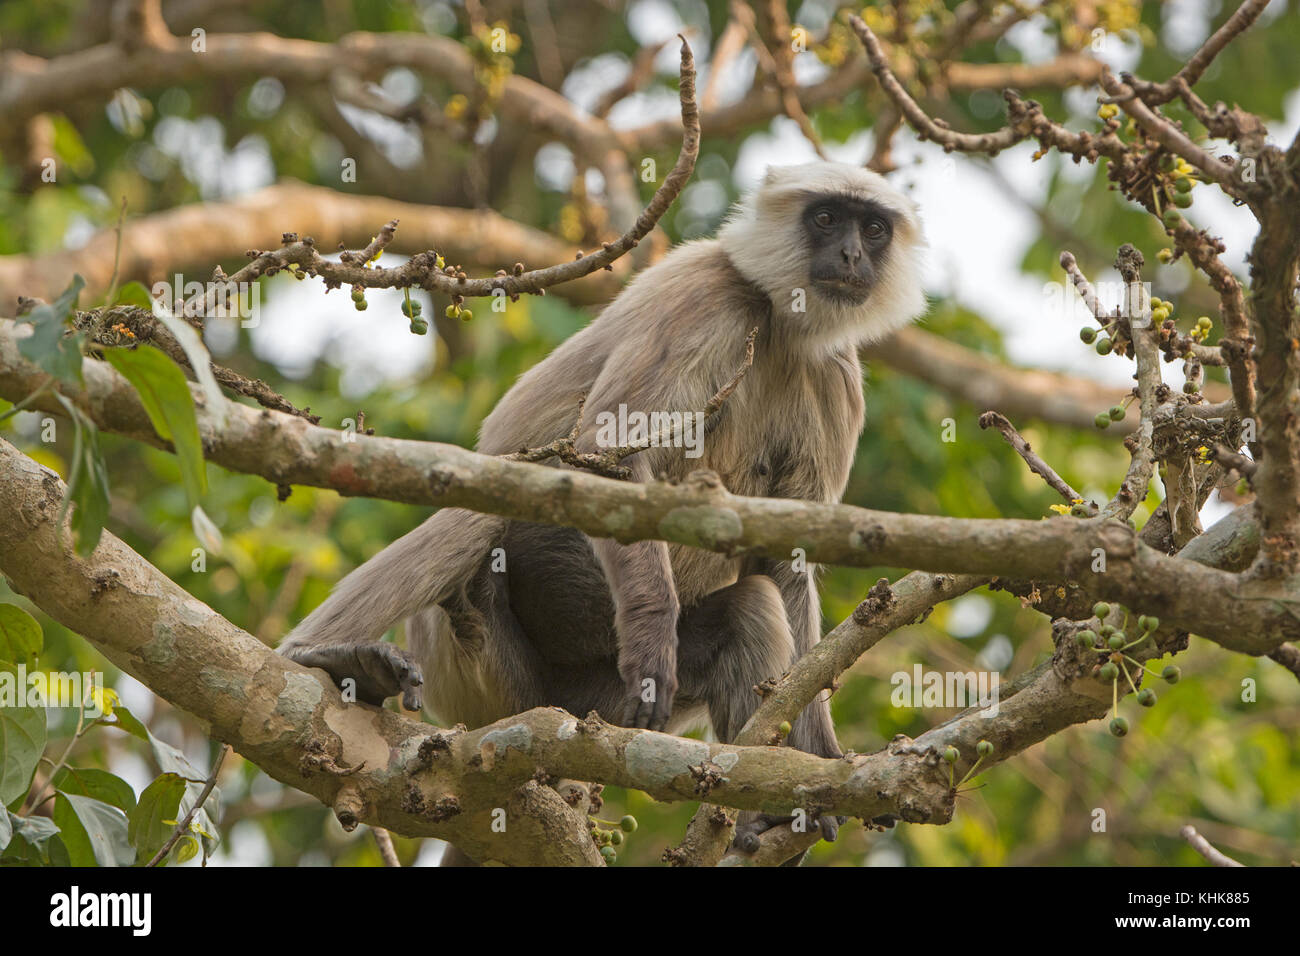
419 569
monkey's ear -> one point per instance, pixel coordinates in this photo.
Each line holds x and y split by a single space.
774 175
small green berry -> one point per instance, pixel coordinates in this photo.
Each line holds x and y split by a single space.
407 309
419 326
1088 335
1103 346
627 824
466 315
1086 638
984 748
1102 420
1167 163
1147 697
1119 727
1191 388
1117 413
1117 640
1101 609
1080 511
950 754
361 305
358 295
1171 219
1183 184
1106 630
1108 671
1171 674
609 853
1205 322
784 728
616 837
1152 622
1182 200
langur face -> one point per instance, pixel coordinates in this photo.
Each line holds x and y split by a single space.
847 240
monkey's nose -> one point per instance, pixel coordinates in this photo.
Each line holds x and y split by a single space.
852 254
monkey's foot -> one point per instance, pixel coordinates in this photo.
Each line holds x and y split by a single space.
752 825
377 670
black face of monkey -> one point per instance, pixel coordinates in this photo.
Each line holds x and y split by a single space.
847 239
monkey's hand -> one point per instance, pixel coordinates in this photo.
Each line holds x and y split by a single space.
650 699
752 825
377 670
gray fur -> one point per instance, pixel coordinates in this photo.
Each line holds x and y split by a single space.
579 623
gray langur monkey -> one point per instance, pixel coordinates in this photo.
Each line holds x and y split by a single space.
822 258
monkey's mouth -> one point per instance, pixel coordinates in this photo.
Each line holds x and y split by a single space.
851 290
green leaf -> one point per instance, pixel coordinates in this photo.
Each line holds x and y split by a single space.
123 719
96 783
160 802
31 838
186 849
165 394
134 293
174 763
197 353
20 636
22 738
88 482
70 148
94 832
47 346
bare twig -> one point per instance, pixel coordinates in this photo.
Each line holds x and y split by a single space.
183 825
1205 848
387 852
1288 655
641 72
927 128
1035 462
1157 93
422 269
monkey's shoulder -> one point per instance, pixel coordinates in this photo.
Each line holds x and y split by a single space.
696 294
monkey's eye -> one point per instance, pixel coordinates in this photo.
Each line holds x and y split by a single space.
824 218
876 229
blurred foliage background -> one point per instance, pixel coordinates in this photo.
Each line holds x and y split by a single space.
1203 755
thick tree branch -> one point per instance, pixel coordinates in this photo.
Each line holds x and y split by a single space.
1249 616
373 766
